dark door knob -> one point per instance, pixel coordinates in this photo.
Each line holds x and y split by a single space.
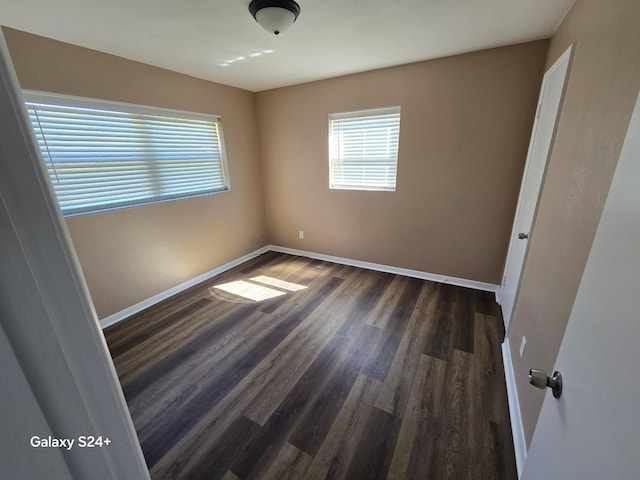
523 236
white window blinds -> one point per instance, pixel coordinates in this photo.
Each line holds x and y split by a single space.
363 149
102 156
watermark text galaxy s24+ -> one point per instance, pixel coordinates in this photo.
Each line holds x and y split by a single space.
67 443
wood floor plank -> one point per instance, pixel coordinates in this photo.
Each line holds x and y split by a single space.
372 458
135 339
334 457
419 431
500 443
487 369
462 317
456 424
360 375
383 353
490 402
290 464
224 451
438 341
386 305
398 383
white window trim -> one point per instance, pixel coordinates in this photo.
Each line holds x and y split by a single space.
360 114
90 103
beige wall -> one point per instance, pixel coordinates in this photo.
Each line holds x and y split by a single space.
130 255
464 132
603 85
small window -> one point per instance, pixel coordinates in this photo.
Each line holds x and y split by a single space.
363 149
104 155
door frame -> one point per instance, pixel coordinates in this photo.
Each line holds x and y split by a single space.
564 61
48 319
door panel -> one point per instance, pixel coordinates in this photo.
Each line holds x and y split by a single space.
593 430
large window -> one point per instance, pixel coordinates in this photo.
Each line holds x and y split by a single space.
104 155
363 149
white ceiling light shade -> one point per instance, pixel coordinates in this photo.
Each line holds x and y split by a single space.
275 16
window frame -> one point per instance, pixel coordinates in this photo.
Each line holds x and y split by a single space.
354 115
63 100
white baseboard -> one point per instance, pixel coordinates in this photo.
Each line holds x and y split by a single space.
519 442
138 307
488 287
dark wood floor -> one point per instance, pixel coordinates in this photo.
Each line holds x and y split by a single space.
361 375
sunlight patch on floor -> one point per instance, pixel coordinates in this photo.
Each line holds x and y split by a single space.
249 290
257 289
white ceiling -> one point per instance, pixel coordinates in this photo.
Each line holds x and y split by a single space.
330 38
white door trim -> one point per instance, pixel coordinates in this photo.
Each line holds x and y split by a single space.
564 62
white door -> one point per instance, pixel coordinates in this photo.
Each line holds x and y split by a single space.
542 135
593 430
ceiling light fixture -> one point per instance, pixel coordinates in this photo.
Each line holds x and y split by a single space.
274 16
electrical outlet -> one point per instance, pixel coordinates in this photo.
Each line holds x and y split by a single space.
300 234
523 344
